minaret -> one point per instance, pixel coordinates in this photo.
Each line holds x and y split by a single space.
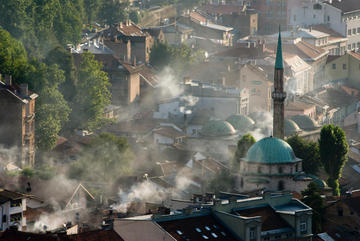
278 94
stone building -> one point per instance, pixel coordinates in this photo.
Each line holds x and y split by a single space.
17 120
128 41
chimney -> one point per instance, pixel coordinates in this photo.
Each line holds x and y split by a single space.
310 28
187 80
8 80
121 25
24 89
134 60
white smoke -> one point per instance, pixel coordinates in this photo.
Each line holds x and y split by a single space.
169 86
263 127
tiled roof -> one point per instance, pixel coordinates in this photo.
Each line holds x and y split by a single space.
331 58
346 5
336 97
169 132
96 235
270 220
298 105
198 17
130 30
195 228
354 54
323 28
6 195
149 75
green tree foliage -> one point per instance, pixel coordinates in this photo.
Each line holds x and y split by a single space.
113 12
92 94
243 146
333 154
178 57
13 57
134 16
92 8
52 111
308 151
104 159
313 199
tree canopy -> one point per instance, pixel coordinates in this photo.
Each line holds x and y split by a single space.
92 94
243 146
333 154
106 157
308 151
312 197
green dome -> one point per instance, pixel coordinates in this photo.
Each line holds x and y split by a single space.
271 150
217 128
291 127
240 122
304 122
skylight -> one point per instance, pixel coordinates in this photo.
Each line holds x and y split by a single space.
205 237
179 232
198 230
214 235
207 228
223 233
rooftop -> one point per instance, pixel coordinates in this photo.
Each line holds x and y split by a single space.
197 228
346 6
215 128
304 122
270 220
241 122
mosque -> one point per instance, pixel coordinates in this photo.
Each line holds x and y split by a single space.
270 164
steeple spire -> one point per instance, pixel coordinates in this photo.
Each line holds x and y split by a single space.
279 57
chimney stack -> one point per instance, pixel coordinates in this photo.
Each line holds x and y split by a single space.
134 60
24 89
8 80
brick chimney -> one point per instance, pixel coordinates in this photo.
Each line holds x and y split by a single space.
8 79
24 89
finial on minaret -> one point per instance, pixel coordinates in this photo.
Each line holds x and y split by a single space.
279 57
279 95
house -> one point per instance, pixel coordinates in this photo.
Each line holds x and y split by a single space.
343 17
336 44
13 206
17 120
298 107
157 34
243 20
177 33
271 14
272 216
123 75
206 29
256 80
128 41
168 134
344 68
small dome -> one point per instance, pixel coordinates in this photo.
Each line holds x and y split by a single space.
240 122
271 150
217 128
304 122
291 127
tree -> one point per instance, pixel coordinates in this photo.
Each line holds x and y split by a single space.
308 151
105 158
92 8
92 94
113 12
313 199
134 16
243 146
333 154
52 111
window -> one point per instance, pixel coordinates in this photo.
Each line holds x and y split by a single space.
252 233
294 18
353 46
280 170
349 32
259 169
349 47
358 30
358 45
354 31
328 18
281 185
344 66
303 226
314 16
333 66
